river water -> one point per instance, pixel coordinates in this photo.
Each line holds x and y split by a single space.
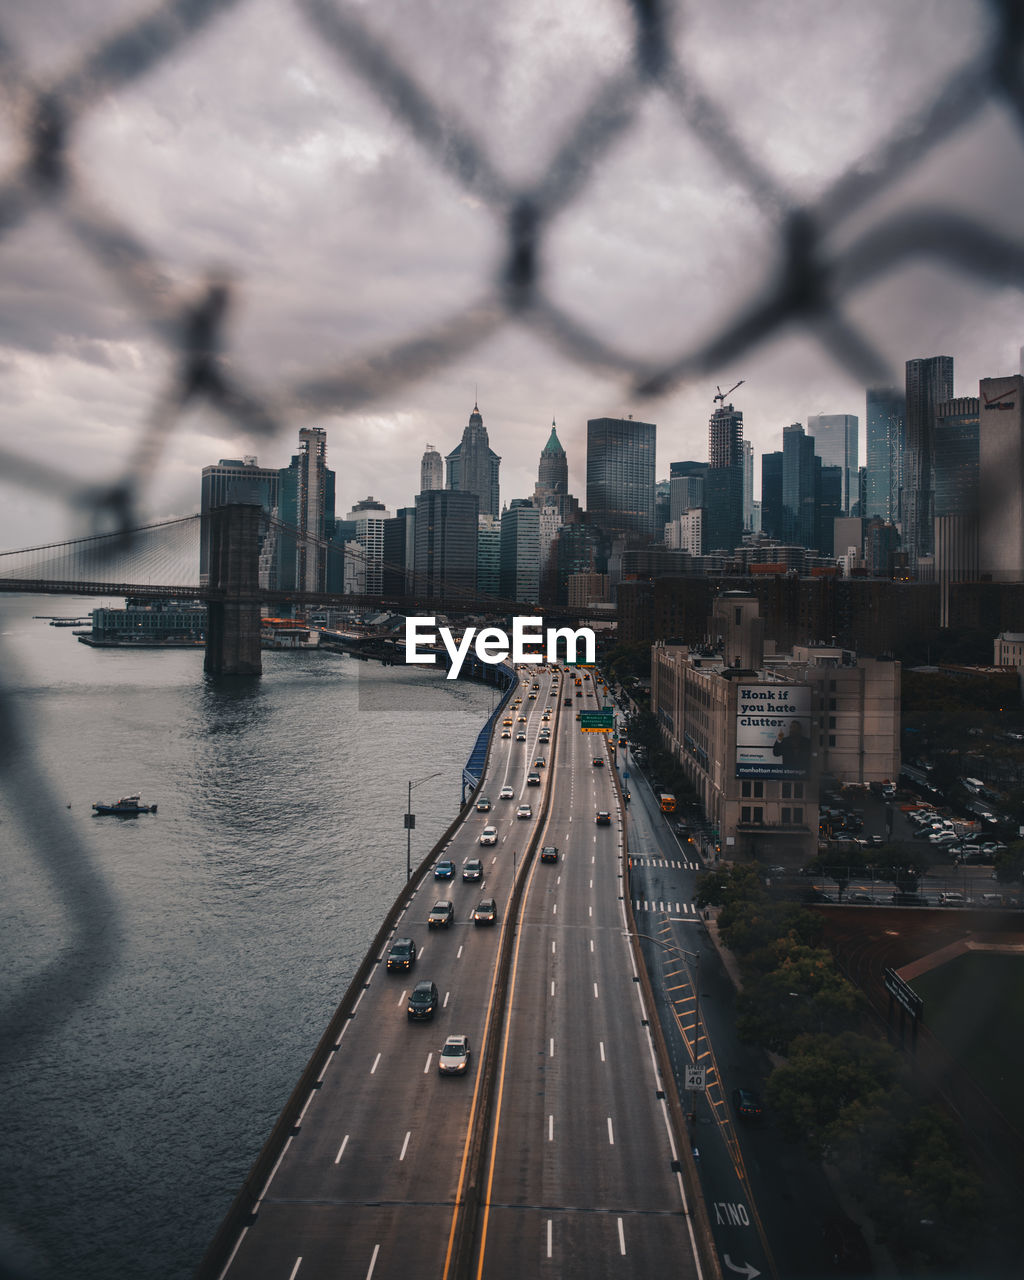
170 974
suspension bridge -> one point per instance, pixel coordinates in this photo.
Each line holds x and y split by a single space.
223 561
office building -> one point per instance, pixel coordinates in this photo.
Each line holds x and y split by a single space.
929 384
836 444
520 552
586 589
488 557
574 553
399 553
723 482
306 510
553 468
431 470
370 518
956 457
799 497
828 483
755 733
234 480
886 413
446 544
473 466
552 487
686 532
620 476
1001 479
748 486
772 513
686 493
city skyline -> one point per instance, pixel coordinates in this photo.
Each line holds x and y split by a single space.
253 155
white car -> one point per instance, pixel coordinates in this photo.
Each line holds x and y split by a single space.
489 835
507 793
524 811
453 1060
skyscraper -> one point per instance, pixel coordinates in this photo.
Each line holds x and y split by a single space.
929 383
446 543
722 527
370 518
799 498
488 557
431 470
520 552
773 522
828 482
685 488
1001 478
955 461
473 465
553 471
233 480
552 488
836 444
620 475
399 552
886 413
306 504
748 486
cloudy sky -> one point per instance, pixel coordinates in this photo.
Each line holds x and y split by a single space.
352 180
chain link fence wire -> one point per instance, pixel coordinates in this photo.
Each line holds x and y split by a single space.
816 275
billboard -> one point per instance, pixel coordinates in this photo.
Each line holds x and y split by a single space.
773 731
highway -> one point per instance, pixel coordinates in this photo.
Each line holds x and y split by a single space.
391 1170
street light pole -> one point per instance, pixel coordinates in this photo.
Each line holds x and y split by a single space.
410 822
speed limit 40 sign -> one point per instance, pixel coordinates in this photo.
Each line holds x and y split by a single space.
695 1078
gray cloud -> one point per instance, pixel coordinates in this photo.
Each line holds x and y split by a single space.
255 150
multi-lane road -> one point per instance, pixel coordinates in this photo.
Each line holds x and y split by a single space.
555 1152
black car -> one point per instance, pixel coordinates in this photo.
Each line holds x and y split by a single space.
533 779
604 818
747 1104
422 1001
549 853
402 955
597 761
486 912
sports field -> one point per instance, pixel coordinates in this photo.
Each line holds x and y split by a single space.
975 1006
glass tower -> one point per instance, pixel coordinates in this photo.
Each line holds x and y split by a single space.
620 475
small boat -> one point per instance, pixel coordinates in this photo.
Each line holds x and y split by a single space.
127 804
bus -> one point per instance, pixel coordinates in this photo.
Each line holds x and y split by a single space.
667 801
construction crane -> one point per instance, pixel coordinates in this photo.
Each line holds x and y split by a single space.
722 394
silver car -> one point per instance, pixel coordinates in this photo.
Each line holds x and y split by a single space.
453 1060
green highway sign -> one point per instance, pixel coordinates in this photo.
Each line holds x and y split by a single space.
597 721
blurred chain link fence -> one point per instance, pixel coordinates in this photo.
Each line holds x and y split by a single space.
812 281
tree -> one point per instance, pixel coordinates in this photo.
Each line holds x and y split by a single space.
824 1076
803 994
642 729
926 1200
726 885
